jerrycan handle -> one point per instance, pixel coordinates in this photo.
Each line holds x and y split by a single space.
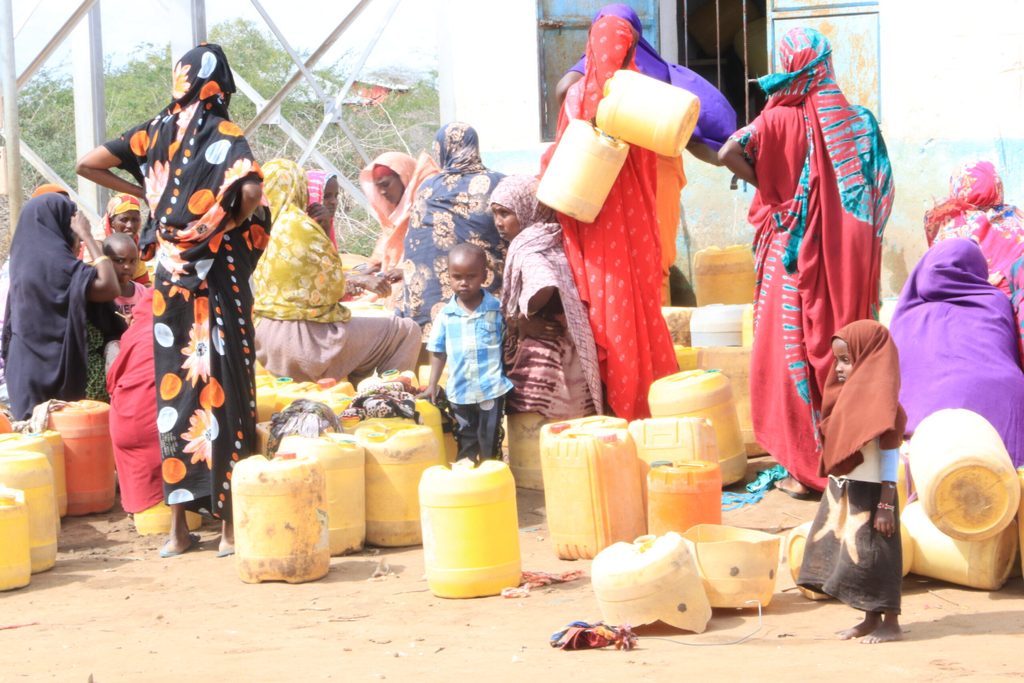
559 427
285 456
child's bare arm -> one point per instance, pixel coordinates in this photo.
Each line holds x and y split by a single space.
438 359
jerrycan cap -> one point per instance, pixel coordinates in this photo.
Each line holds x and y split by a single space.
326 383
350 419
284 456
559 427
283 380
608 437
389 375
376 437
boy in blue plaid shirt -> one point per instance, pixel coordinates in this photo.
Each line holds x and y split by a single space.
468 332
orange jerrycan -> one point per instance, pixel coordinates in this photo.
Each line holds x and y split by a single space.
582 171
964 477
280 519
648 113
16 549
470 529
724 275
84 427
344 463
31 473
707 394
683 494
592 491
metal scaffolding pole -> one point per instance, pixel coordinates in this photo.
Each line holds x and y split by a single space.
90 106
12 131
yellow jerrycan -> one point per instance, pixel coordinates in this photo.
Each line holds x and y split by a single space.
430 416
654 578
470 529
686 357
648 113
156 520
524 449
734 363
592 491
738 565
344 464
707 394
724 275
983 564
15 551
280 519
674 439
396 457
53 449
31 473
963 475
582 171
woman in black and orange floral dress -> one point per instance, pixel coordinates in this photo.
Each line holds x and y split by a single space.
207 229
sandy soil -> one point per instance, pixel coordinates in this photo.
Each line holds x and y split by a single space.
112 610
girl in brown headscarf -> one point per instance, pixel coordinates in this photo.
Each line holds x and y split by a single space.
853 552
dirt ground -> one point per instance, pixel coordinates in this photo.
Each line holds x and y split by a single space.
112 610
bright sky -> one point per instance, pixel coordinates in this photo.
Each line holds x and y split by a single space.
409 41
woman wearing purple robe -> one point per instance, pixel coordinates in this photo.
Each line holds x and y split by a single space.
957 339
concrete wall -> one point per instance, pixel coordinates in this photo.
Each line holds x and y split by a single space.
952 87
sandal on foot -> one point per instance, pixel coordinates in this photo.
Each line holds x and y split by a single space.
193 539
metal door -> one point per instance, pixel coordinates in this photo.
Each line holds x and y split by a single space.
852 28
562 27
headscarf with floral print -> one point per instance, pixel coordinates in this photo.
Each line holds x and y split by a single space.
300 277
450 208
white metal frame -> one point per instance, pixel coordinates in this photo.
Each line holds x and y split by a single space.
90 128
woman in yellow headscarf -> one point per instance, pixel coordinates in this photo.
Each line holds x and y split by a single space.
124 214
302 331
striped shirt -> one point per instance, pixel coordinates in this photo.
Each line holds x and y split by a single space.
472 340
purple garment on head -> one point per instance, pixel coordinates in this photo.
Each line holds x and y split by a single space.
717 120
958 343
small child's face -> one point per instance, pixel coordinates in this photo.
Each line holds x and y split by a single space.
844 362
467 277
125 260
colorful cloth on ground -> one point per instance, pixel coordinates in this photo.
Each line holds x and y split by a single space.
195 161
616 260
540 369
866 406
717 117
450 208
394 220
301 276
845 557
579 635
473 342
975 210
824 195
316 185
44 335
131 383
957 341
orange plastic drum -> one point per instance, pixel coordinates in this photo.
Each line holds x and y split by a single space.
84 427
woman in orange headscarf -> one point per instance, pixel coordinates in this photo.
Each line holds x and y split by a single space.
124 215
616 260
390 182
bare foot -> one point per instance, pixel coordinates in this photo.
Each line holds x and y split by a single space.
792 487
227 540
870 623
887 632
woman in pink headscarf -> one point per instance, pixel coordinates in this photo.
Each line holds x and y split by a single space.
390 182
322 187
